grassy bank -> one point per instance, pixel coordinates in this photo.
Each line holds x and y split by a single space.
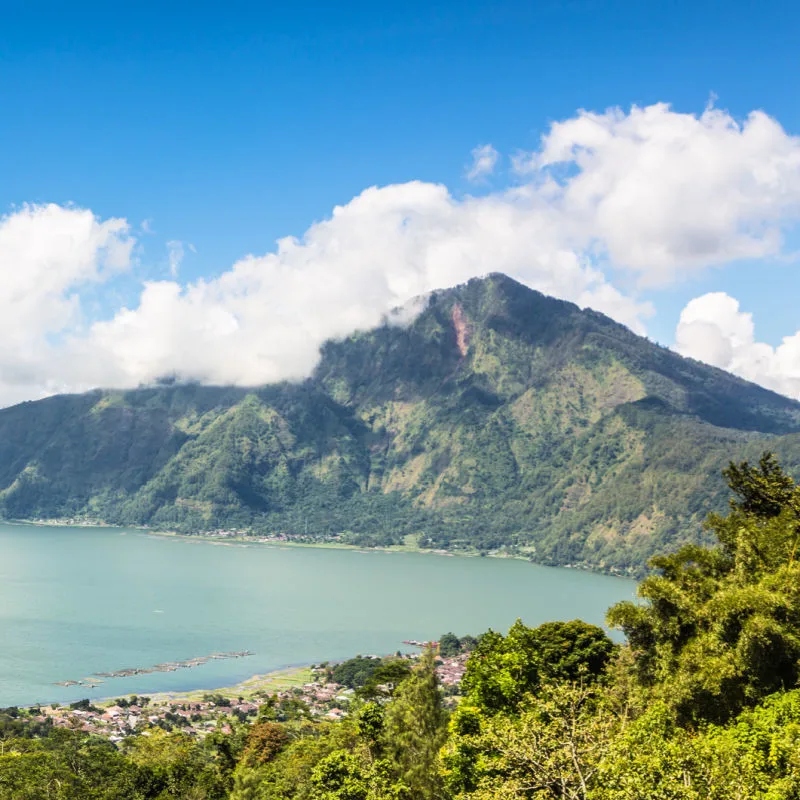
269 683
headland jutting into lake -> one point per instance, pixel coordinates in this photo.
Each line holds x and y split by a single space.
169 666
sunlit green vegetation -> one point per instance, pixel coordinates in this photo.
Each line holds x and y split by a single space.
700 703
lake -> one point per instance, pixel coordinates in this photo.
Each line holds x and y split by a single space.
77 601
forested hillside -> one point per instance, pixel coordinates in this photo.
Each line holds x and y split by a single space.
498 419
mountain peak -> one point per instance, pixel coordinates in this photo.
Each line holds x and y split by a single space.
497 418
512 310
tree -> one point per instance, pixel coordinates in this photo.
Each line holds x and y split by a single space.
551 748
178 766
340 776
385 679
345 776
756 757
721 627
763 491
264 741
652 758
68 766
355 672
502 670
289 773
449 645
414 730
369 721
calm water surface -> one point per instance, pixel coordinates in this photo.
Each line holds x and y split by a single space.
75 601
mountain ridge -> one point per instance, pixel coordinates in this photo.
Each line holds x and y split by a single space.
498 419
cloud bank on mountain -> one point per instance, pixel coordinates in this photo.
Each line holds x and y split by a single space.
652 194
714 329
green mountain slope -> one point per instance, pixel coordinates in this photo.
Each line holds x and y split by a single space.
499 419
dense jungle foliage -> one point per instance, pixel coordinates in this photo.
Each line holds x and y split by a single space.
701 703
498 419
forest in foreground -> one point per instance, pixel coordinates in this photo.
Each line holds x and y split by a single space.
701 702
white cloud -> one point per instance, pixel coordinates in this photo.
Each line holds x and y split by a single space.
484 161
48 253
265 318
663 193
653 192
175 254
714 329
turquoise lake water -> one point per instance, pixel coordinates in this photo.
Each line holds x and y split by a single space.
76 601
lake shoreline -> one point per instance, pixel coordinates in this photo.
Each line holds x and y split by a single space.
266 540
142 606
330 545
275 680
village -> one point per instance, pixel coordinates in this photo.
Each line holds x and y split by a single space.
307 690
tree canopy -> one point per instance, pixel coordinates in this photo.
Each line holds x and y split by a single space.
721 626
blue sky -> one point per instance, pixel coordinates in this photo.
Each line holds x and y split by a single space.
228 126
